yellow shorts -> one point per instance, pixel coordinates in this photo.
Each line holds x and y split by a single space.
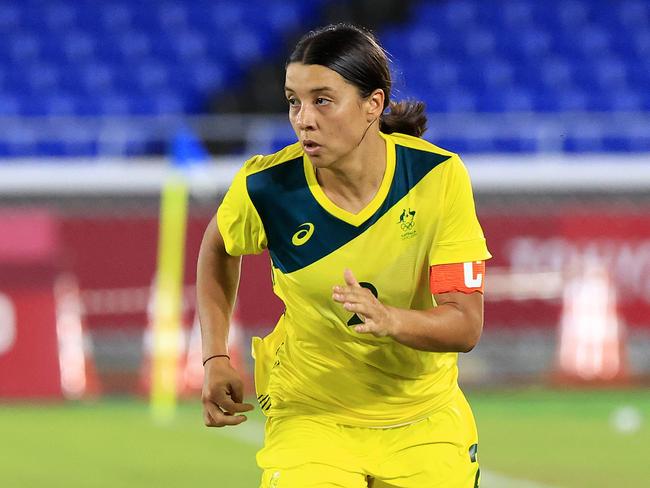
439 451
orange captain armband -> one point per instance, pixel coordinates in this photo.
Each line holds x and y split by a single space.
463 277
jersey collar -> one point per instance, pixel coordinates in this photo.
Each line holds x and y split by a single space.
363 215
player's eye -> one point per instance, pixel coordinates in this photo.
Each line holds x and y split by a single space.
293 102
322 101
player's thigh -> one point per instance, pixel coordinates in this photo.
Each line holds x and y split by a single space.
438 465
312 476
303 452
440 452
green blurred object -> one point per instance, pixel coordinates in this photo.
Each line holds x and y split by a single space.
550 438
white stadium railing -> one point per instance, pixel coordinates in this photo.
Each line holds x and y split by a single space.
495 173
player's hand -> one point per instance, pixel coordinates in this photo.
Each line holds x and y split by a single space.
222 394
377 318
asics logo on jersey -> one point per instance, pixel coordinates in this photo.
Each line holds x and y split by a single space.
304 233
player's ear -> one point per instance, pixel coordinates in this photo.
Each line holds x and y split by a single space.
375 104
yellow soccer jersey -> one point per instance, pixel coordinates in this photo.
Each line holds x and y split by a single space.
314 363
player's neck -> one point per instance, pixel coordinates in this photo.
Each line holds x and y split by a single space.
354 180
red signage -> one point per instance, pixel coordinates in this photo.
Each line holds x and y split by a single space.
556 242
111 254
29 356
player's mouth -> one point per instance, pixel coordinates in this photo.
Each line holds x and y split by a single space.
311 148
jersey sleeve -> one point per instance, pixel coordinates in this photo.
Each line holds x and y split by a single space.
459 237
238 221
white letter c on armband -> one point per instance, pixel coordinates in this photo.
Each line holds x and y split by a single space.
470 280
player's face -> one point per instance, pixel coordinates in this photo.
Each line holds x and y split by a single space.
326 112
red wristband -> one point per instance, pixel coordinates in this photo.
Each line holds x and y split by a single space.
216 356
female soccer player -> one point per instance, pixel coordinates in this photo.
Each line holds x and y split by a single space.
379 258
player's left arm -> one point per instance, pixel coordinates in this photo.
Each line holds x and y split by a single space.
455 325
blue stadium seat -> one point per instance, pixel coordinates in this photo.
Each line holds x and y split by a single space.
24 47
514 144
480 42
205 74
123 57
517 15
283 16
78 46
172 16
555 73
41 77
526 43
641 41
572 14
60 104
20 139
610 72
9 105
246 47
10 16
98 79
443 73
113 16
150 75
633 14
623 100
497 73
167 102
568 54
583 144
133 44
574 100
422 43
190 44
460 100
114 103
57 16
460 13
508 99
626 144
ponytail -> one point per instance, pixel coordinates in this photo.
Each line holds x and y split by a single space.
407 117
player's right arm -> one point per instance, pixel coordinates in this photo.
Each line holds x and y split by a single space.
216 288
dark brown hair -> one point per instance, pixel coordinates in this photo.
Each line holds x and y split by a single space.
355 54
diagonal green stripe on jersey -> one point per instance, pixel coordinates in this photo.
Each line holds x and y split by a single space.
299 230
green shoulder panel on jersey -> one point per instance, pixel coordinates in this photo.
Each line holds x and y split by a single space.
299 230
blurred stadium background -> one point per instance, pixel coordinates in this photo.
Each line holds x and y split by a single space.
101 103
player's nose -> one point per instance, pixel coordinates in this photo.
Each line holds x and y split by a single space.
306 118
